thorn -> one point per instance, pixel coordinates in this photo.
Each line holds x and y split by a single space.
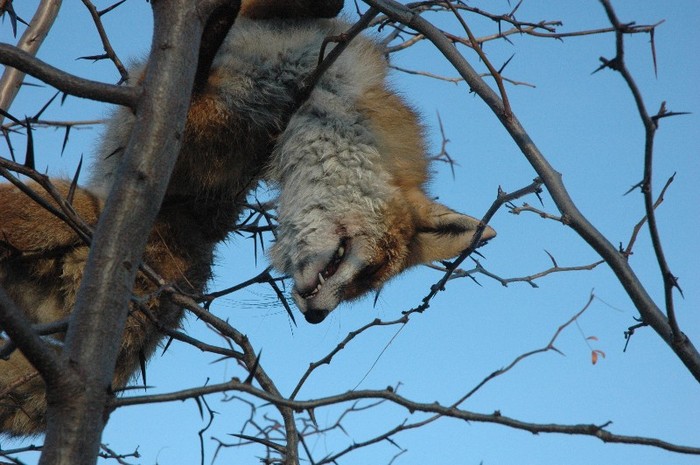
142 364
6 135
539 196
312 417
110 8
46 105
376 298
65 139
281 297
104 56
199 406
554 262
167 346
29 158
74 182
653 51
612 64
638 185
251 374
10 117
505 64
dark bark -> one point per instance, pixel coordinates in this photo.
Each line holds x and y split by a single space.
78 412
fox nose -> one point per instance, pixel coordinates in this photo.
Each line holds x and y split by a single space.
315 316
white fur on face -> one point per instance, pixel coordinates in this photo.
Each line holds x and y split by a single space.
333 191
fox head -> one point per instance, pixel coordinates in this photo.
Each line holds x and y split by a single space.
335 257
352 212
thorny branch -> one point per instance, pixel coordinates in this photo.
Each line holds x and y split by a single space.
492 70
530 279
109 51
503 198
65 82
405 425
252 363
670 281
543 29
598 431
30 42
549 347
635 231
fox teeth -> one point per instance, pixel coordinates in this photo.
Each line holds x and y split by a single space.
340 252
321 280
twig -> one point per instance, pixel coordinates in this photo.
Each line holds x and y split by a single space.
530 279
635 231
503 198
477 48
65 82
650 125
529 208
109 51
30 42
549 347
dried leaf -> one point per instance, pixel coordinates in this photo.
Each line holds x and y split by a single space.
594 355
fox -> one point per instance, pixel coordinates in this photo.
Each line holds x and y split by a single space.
350 167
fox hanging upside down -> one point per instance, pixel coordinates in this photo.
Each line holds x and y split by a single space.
350 167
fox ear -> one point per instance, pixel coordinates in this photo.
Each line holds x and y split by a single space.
442 233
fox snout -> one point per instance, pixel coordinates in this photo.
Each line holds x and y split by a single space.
326 275
316 316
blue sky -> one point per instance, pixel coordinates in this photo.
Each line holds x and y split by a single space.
586 125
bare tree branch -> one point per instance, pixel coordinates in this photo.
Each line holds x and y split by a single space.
635 231
13 57
650 125
29 43
97 19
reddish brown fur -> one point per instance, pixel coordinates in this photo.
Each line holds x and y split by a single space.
42 260
401 143
400 135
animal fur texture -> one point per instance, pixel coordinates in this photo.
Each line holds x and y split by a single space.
350 167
